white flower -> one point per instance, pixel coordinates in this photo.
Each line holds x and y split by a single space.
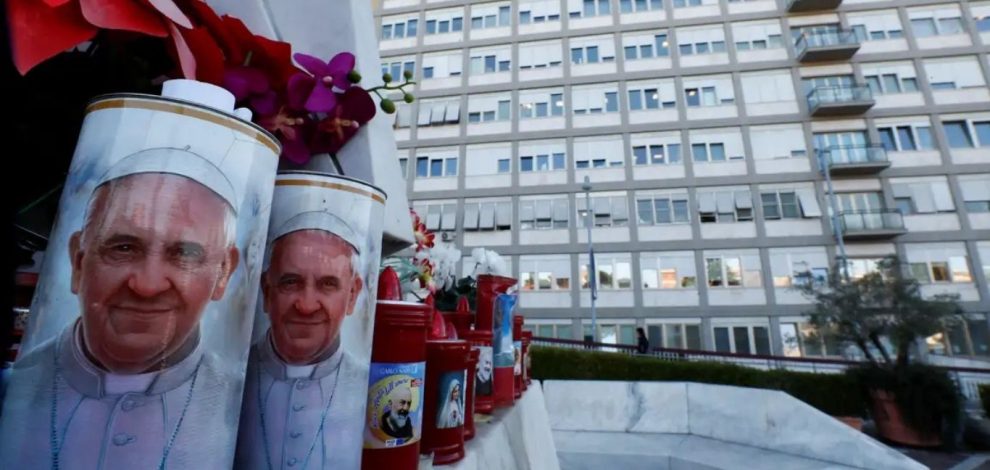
444 257
488 262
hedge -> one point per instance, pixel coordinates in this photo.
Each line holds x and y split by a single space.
835 394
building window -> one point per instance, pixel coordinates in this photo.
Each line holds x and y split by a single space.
496 19
399 30
954 269
637 6
544 214
539 12
499 113
707 47
446 25
613 273
686 3
926 197
589 55
789 205
404 167
606 211
725 271
662 209
647 47
708 152
541 162
440 217
976 195
674 335
594 101
431 167
773 41
890 83
487 216
906 138
489 64
648 98
927 27
725 206
438 113
959 135
549 274
704 96
667 271
504 165
742 339
531 107
396 69
656 154
591 8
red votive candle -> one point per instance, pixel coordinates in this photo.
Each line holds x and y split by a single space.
444 411
481 341
469 398
517 364
393 430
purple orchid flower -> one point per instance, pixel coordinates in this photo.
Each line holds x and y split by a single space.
250 85
314 91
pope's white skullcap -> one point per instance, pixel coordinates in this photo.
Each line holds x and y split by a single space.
174 161
318 220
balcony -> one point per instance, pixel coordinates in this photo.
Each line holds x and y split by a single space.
840 100
795 6
856 159
871 224
824 46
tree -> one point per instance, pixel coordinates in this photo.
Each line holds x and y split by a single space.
883 303
886 303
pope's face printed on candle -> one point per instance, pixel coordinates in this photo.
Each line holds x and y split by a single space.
311 285
154 250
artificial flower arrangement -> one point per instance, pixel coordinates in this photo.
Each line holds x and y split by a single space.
313 105
431 270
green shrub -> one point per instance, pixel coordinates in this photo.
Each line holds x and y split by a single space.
985 398
926 396
835 394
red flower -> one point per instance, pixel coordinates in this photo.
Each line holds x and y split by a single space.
292 129
40 29
227 47
354 109
424 238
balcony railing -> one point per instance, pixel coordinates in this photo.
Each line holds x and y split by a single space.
827 45
840 99
856 159
855 154
880 222
811 5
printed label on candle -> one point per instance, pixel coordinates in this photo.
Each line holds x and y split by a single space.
395 404
483 372
450 402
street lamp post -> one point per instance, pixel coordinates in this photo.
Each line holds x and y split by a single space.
592 269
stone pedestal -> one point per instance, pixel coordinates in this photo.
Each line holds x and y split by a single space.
516 438
689 425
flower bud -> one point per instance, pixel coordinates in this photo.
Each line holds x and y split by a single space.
388 106
408 98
